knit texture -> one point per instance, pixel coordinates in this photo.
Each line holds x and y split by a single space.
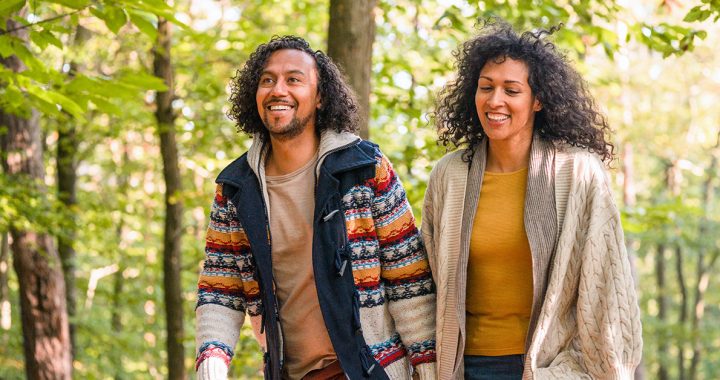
589 324
389 266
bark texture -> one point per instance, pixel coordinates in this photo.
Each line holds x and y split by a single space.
46 338
162 66
351 35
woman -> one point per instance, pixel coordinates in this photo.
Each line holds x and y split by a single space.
525 241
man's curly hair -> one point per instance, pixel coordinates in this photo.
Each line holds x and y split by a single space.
569 113
339 110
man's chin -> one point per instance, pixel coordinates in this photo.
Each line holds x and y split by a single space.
287 132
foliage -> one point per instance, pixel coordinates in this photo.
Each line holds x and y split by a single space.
108 97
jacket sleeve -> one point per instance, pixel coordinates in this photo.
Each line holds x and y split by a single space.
227 288
405 270
608 343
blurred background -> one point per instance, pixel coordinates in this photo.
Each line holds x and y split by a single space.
113 128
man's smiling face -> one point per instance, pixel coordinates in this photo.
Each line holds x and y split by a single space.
287 95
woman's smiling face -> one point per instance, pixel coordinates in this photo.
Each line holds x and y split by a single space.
505 102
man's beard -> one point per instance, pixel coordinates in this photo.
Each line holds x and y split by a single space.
292 129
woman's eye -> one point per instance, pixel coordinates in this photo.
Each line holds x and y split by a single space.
485 89
512 92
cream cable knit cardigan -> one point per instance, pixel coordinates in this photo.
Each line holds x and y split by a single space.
585 321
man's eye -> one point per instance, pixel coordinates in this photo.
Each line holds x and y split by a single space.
293 80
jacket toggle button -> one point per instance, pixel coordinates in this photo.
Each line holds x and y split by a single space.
330 215
342 268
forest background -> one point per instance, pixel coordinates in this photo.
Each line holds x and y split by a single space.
113 127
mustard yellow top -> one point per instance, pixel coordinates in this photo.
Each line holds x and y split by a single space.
500 279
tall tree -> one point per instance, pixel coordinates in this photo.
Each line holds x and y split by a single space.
351 34
35 259
165 116
67 152
5 312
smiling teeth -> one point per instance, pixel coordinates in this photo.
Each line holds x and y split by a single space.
497 117
279 108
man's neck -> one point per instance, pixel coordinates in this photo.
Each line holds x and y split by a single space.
286 156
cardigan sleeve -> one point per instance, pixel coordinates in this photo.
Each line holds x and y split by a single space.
428 223
608 343
405 270
227 289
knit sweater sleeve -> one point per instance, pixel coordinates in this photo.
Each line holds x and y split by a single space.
608 342
227 289
405 270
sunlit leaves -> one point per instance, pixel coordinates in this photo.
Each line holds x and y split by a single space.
114 17
146 22
43 38
669 39
74 4
702 12
8 7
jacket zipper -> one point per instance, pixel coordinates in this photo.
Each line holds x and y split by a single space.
272 275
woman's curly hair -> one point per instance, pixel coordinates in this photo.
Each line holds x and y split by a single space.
338 111
569 113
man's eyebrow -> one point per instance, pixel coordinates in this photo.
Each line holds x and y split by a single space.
293 71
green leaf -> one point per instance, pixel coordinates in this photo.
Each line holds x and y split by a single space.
146 22
105 106
43 38
6 46
697 13
142 80
8 7
57 99
114 17
75 4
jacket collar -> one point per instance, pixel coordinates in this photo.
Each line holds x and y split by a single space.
330 141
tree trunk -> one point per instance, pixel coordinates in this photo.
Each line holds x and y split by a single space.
119 281
662 311
173 204
67 151
5 309
682 319
703 269
46 338
351 34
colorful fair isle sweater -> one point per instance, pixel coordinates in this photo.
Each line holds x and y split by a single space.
389 266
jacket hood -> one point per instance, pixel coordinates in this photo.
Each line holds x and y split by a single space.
330 141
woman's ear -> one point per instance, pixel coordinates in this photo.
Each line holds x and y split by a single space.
537 106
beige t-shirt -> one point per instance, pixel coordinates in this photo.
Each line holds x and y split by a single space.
306 340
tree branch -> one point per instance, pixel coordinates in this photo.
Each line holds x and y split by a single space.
43 21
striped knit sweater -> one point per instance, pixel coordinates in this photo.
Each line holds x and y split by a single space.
389 266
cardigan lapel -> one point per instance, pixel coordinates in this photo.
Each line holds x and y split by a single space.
541 224
472 195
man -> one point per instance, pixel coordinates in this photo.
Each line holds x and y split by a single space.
311 230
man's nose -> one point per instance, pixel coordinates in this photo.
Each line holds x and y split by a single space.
279 89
